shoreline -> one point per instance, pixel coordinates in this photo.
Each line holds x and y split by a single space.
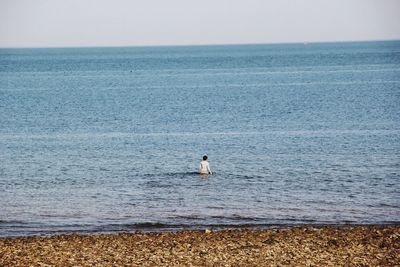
146 228
355 245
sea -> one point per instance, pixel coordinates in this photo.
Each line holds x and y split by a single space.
108 140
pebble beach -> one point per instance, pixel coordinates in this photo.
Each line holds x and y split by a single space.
295 246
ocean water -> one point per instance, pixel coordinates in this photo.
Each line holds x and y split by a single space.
110 139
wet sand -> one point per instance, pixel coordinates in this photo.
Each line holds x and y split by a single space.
297 246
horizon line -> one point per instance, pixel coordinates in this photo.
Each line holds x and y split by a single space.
196 45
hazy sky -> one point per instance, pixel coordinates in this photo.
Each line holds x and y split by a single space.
45 23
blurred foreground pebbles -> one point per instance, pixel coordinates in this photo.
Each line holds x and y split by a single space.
297 246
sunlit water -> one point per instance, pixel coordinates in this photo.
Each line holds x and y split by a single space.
110 139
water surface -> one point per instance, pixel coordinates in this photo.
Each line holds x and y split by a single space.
109 139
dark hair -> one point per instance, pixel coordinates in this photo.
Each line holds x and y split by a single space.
205 157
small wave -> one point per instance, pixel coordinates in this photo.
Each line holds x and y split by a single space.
168 174
13 223
388 205
215 207
154 177
236 217
32 230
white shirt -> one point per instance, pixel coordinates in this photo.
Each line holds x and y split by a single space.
205 167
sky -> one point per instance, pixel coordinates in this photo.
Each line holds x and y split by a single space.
76 23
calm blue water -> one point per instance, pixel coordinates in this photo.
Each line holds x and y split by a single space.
110 139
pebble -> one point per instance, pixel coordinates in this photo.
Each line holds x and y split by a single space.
328 246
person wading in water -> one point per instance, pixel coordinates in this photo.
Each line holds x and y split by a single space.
205 166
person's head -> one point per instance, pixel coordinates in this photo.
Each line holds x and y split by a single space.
205 157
